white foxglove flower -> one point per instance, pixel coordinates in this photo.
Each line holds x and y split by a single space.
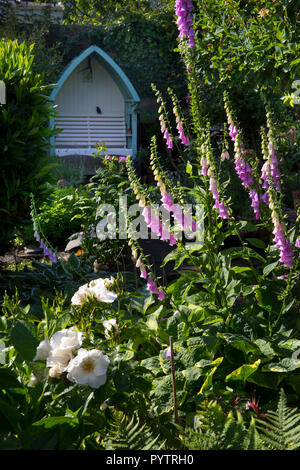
88 368
42 351
110 326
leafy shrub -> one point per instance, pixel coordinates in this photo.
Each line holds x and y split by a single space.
250 48
64 213
24 136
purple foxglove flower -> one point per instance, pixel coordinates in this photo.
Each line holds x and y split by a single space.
147 214
182 137
266 198
168 353
173 240
122 159
233 132
194 226
255 202
183 9
161 295
217 204
176 313
223 211
46 251
213 187
143 274
53 257
165 235
167 201
156 225
169 141
244 171
297 244
283 245
225 156
151 286
204 165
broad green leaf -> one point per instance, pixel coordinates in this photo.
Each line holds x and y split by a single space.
240 269
256 242
8 379
247 226
266 379
11 414
49 423
209 376
270 267
265 347
152 364
286 365
243 372
163 395
239 342
178 255
192 374
189 168
23 340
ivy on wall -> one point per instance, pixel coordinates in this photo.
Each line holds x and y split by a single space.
142 45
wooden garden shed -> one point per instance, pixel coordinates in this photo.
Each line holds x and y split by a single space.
95 102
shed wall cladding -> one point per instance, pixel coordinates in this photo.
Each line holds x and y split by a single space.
83 91
90 86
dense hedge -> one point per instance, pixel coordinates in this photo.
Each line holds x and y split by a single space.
141 44
24 136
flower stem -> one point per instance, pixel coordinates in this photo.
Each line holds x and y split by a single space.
173 382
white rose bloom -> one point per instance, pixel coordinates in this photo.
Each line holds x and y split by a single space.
88 368
68 339
59 358
100 291
81 296
55 371
42 351
110 325
33 381
63 344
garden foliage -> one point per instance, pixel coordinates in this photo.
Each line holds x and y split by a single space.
24 136
99 361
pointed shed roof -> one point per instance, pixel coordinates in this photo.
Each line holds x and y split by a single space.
127 89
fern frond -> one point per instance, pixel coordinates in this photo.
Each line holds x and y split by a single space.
129 433
219 431
281 428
